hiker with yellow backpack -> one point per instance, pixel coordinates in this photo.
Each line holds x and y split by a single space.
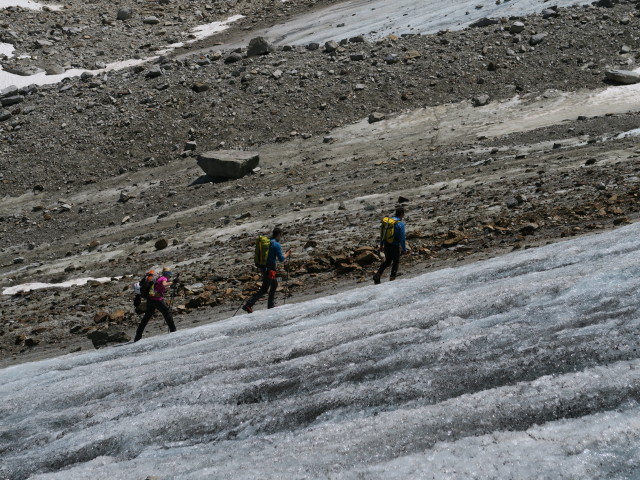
393 243
267 253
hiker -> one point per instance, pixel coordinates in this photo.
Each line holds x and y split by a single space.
392 243
269 273
156 302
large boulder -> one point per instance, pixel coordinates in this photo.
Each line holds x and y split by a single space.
228 163
259 46
625 77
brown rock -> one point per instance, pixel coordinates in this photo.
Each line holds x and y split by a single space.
100 317
366 258
412 55
347 267
117 316
529 228
453 238
200 87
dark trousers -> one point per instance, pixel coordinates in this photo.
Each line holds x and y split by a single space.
152 306
270 283
391 257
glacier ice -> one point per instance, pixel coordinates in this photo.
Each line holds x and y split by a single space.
523 366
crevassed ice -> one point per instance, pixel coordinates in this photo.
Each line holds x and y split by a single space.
523 366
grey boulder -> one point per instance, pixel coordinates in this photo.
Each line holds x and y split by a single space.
625 77
228 163
259 46
124 14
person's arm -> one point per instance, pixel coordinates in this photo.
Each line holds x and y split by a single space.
279 254
403 237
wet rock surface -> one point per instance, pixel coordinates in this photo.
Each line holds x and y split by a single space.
117 188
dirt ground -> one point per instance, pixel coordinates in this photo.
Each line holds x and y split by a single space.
536 161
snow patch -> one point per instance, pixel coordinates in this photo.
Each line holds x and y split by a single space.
29 4
6 49
631 133
7 79
27 287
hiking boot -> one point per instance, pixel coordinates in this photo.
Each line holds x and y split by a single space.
391 279
247 308
273 306
376 278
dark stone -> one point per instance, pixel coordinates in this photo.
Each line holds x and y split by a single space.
484 22
258 46
161 244
233 58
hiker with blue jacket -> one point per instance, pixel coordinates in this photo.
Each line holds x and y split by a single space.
393 242
269 272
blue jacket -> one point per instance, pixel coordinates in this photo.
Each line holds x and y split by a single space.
275 254
399 235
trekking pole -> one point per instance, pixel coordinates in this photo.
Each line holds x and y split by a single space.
286 279
173 295
174 287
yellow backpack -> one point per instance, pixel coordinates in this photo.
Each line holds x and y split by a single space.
262 251
388 229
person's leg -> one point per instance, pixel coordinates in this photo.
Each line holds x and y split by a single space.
166 313
273 286
395 261
263 289
385 264
151 308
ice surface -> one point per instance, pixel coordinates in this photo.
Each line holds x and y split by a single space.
524 366
379 18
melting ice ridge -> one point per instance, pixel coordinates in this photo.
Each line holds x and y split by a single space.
524 366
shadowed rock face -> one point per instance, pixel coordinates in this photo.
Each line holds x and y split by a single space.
228 163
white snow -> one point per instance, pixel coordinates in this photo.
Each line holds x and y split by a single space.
524 366
29 4
631 133
203 31
6 49
8 79
27 287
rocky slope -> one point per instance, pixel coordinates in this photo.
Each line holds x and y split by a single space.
99 177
